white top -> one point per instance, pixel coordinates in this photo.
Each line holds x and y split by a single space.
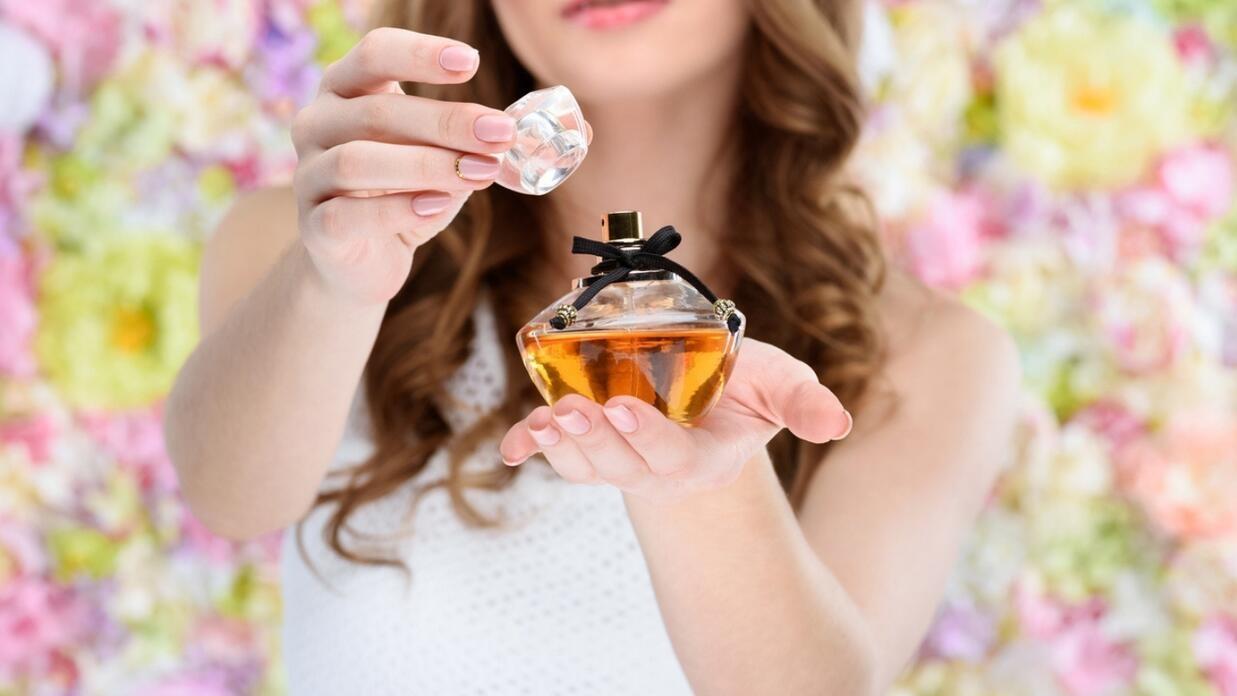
557 602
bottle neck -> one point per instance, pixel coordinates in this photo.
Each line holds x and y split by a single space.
644 274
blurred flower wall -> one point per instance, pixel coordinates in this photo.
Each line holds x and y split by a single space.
1066 167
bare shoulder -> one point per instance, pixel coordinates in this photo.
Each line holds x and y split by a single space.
929 331
944 357
250 238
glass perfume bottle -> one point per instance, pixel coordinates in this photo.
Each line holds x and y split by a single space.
639 325
550 141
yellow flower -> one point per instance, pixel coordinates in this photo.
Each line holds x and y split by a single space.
82 551
116 322
1088 99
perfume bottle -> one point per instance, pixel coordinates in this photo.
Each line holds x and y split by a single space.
550 142
639 324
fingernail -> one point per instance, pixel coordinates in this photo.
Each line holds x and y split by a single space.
459 58
573 422
430 203
494 128
508 462
478 167
621 417
544 436
588 127
850 423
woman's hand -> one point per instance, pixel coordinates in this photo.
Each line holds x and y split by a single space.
381 172
632 446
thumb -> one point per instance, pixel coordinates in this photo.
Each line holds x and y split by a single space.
812 412
789 392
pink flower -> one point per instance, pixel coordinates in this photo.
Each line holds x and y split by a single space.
83 35
17 307
39 620
1084 660
201 683
1113 421
1185 477
1199 179
207 544
1146 312
135 439
1088 662
1192 188
1043 617
1193 45
1215 649
944 246
36 433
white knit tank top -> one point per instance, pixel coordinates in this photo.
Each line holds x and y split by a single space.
558 601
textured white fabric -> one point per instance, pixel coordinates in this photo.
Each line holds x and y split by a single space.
559 601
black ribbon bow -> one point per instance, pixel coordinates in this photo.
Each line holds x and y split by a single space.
649 255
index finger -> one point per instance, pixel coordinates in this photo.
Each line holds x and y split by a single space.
389 54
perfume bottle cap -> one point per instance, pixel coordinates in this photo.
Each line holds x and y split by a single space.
622 226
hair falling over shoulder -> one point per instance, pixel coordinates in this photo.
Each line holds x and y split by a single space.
810 263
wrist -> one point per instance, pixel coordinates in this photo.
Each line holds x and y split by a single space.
318 292
322 291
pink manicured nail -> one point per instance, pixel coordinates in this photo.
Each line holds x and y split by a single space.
494 128
478 167
430 203
545 436
459 58
573 422
850 423
621 418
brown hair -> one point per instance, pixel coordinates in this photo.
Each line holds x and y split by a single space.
808 275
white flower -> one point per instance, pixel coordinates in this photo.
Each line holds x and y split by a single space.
26 79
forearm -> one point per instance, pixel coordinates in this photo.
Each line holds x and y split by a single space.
261 403
748 605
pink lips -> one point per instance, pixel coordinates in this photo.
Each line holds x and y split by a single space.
595 14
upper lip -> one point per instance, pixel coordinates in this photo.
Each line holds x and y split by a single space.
577 5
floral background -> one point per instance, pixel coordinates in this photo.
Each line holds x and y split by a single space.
1066 167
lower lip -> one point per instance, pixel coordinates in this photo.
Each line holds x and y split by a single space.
614 16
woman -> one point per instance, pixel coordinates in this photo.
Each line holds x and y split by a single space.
361 323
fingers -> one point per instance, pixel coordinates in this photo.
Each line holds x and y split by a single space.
405 119
612 458
388 54
665 446
363 165
539 432
786 391
417 216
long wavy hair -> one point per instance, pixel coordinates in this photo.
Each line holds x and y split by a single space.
809 273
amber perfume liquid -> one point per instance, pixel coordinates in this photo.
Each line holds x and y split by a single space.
678 371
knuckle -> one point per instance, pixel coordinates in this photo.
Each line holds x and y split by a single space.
368 51
374 117
330 74
423 52
450 123
302 123
426 167
298 181
346 163
330 219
